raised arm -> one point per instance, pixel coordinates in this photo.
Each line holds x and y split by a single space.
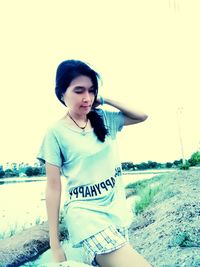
53 196
131 115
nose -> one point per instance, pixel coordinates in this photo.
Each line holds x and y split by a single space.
86 97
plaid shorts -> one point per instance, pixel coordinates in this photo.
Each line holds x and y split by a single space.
105 241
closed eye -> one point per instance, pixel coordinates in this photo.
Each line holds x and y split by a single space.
80 90
92 90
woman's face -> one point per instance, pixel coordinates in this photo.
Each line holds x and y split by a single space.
80 95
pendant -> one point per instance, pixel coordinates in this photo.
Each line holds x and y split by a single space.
83 132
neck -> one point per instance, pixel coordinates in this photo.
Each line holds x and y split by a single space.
78 117
81 126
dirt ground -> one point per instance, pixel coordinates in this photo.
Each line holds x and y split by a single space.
167 233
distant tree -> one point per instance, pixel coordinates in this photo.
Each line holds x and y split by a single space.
142 166
128 166
184 166
2 173
42 169
152 164
169 164
21 168
9 173
14 166
160 165
177 162
195 159
36 171
29 171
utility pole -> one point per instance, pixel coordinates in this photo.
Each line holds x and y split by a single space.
174 5
179 114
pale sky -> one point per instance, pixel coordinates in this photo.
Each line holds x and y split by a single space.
147 53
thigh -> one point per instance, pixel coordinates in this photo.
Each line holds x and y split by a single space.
125 256
104 242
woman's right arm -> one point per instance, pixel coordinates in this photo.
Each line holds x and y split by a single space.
53 196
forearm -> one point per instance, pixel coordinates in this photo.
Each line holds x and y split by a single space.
53 208
126 109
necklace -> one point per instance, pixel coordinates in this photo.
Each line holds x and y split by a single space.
82 128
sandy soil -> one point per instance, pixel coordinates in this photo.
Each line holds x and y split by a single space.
167 233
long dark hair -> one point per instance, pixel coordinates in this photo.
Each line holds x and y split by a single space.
67 71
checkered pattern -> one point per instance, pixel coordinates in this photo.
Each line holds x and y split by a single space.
105 241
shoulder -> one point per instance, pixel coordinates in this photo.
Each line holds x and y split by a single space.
54 128
113 120
108 115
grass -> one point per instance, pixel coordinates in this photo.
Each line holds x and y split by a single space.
63 226
146 197
12 231
146 190
16 228
141 184
185 238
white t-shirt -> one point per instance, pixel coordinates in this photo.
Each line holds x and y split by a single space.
95 196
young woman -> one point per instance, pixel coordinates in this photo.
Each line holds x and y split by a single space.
82 147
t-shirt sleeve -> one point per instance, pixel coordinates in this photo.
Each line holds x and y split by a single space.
49 150
114 121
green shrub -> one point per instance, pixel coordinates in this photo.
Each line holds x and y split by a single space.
33 171
146 197
36 171
185 237
29 171
179 239
195 158
137 186
9 173
184 166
